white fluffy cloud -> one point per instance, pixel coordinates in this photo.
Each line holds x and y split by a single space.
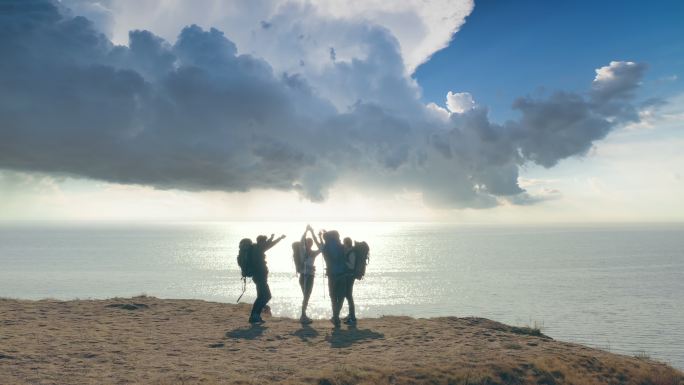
459 102
325 42
421 27
617 80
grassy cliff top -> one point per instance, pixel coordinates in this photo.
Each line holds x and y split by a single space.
145 340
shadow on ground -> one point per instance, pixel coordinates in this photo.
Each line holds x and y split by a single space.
306 333
343 338
128 306
248 333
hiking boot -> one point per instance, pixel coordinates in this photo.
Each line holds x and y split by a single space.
335 321
255 319
304 320
350 321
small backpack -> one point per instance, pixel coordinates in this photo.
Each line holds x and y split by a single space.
297 256
361 250
244 258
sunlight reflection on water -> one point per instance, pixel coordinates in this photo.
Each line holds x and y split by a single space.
608 286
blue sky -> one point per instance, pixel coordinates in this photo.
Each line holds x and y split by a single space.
511 48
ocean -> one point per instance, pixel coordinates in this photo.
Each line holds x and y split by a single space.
615 287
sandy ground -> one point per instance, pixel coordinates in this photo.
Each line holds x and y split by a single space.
145 340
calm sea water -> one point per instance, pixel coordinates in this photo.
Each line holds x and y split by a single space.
620 288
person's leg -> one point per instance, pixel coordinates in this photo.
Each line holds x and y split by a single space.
263 296
349 295
331 292
267 292
308 288
259 302
306 283
302 285
333 289
340 291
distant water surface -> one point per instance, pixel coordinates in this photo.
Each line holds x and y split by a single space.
617 287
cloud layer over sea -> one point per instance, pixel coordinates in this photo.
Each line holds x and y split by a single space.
329 100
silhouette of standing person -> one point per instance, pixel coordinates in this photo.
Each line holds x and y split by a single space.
306 275
260 277
350 262
336 270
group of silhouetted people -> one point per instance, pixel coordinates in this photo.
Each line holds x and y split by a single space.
341 260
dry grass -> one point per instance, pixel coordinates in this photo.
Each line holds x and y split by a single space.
145 340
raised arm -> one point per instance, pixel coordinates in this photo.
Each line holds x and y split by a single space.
303 239
316 240
320 242
271 242
302 242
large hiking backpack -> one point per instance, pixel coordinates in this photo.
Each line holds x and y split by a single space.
297 256
334 255
361 250
244 258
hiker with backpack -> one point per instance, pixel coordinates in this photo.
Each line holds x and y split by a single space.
252 262
304 257
336 269
350 261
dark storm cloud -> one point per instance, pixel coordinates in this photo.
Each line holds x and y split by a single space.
567 124
558 127
197 115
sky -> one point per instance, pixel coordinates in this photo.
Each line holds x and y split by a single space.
470 112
